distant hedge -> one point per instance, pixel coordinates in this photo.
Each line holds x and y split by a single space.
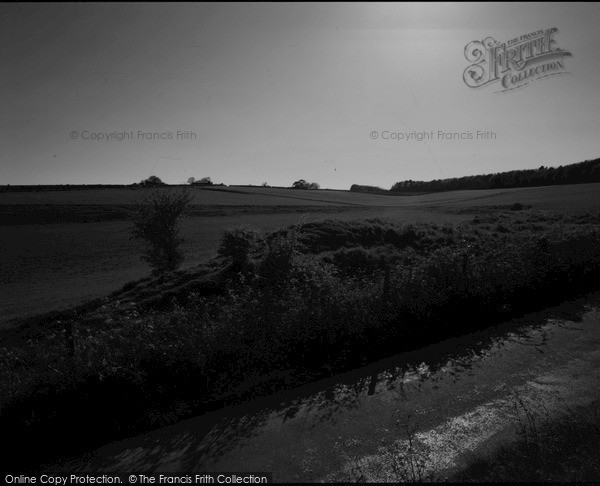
369 189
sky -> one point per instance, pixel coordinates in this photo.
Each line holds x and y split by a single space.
111 93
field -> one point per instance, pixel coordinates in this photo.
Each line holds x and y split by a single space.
62 248
319 282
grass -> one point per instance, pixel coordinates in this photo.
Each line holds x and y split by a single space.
560 448
34 214
310 301
54 262
56 266
216 196
578 197
563 449
396 461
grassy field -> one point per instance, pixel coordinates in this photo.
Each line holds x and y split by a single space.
64 247
54 266
581 195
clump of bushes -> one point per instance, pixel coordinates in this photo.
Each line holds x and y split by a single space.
281 258
331 235
238 244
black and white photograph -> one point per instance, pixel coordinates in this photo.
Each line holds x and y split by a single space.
258 242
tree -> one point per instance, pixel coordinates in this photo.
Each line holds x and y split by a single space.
155 219
152 181
300 184
191 180
205 180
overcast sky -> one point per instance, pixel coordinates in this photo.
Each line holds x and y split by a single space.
278 92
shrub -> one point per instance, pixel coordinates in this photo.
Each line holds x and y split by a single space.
238 243
282 253
359 262
155 220
354 261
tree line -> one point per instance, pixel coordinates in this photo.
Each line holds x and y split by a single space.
580 173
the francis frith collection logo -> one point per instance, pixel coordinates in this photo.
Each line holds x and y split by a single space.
514 63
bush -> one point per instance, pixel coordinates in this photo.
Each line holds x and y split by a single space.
238 243
282 254
359 262
155 220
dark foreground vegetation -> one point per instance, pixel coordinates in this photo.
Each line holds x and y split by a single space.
275 311
580 173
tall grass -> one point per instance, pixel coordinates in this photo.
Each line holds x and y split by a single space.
563 449
406 460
